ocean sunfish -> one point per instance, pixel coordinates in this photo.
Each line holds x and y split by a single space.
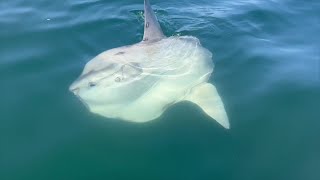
138 83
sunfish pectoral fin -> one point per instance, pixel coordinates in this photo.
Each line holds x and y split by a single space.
206 96
152 29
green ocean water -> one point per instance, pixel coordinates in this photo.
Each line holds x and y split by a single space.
267 71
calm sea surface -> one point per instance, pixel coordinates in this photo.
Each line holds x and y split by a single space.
267 57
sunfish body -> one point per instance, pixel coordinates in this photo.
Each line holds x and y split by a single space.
139 82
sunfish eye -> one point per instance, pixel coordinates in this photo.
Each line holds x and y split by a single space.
92 84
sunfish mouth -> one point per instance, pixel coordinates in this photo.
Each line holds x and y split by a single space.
74 90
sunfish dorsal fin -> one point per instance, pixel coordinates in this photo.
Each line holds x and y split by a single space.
152 29
207 98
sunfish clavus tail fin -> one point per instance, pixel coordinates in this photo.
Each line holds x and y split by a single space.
206 97
152 29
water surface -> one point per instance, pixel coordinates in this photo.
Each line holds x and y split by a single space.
267 66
